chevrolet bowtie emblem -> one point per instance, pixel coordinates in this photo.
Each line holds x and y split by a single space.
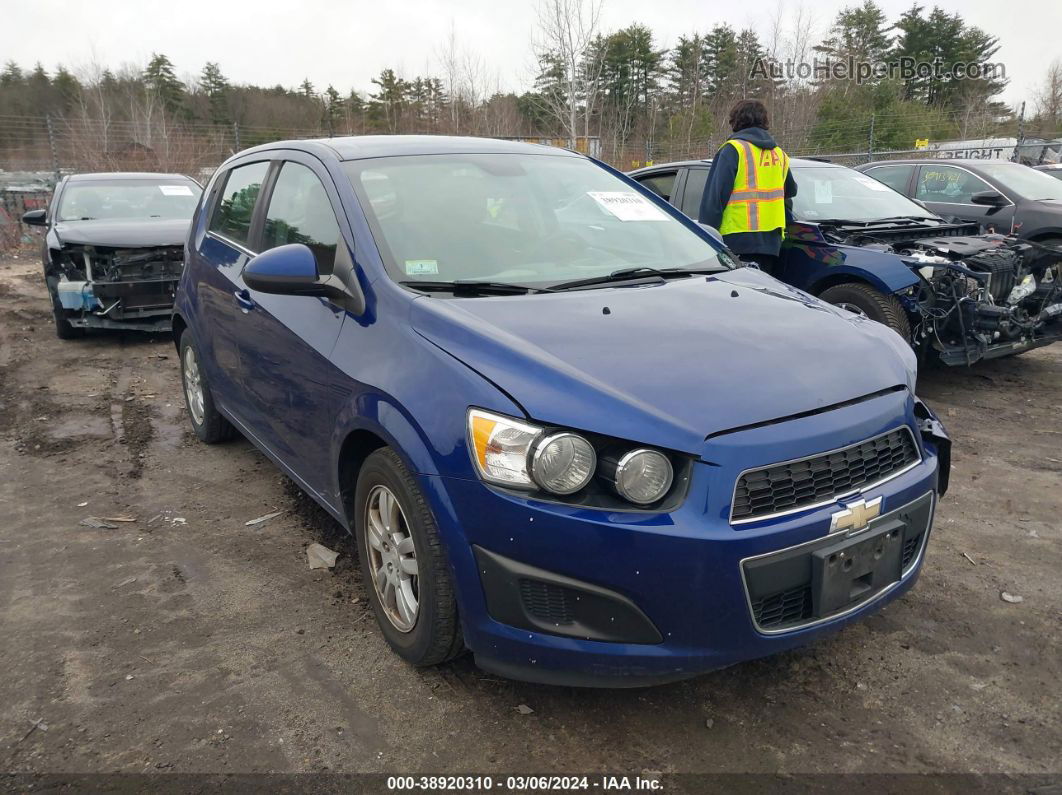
855 516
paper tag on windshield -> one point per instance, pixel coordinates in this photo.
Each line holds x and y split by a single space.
872 183
422 267
823 192
175 190
627 205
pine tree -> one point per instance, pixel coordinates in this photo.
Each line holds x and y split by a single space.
161 81
216 87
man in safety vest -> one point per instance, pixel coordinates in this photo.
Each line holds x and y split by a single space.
745 198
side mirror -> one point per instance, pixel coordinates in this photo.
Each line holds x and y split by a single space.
35 218
284 270
292 270
713 232
990 198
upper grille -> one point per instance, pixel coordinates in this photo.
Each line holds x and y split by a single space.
810 481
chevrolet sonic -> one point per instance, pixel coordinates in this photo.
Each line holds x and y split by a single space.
568 432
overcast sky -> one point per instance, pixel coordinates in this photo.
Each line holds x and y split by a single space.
345 43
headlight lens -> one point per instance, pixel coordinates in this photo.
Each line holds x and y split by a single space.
524 455
501 446
643 476
563 463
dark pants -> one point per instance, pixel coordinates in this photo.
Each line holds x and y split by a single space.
768 263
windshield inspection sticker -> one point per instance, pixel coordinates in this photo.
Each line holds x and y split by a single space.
422 267
175 190
626 205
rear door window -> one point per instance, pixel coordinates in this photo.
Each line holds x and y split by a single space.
696 179
235 207
663 185
896 177
301 212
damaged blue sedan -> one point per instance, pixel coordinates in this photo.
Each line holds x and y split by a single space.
568 432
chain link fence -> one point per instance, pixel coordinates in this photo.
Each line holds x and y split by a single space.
35 152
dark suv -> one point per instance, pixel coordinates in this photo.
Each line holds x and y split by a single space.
1008 197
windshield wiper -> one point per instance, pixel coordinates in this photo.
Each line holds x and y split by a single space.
918 218
640 272
473 287
836 222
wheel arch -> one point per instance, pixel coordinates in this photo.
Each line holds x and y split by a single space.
835 279
358 445
179 326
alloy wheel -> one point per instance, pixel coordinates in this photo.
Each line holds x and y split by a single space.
392 558
193 386
855 310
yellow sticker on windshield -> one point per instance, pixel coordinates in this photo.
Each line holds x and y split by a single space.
422 267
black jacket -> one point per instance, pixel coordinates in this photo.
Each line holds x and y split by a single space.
721 185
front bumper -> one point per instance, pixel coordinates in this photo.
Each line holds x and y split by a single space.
673 588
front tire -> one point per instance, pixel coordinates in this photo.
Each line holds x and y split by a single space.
873 304
63 329
403 563
207 422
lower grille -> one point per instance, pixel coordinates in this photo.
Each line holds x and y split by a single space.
548 602
783 608
910 549
810 481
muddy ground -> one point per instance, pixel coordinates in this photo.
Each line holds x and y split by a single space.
187 641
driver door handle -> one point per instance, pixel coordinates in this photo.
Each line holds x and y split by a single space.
243 298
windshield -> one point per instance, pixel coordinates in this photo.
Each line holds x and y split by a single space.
129 199
835 193
1022 180
517 219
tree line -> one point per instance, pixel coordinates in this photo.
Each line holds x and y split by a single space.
622 87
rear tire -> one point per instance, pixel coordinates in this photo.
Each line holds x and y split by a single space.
393 539
874 304
207 422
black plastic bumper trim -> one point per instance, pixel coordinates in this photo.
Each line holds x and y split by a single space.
580 609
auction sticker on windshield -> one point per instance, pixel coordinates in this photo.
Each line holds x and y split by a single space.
175 190
627 205
422 267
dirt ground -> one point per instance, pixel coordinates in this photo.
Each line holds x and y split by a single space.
186 641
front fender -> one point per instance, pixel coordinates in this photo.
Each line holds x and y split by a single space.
419 409
813 266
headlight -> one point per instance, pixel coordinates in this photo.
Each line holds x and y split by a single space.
501 446
523 455
641 476
563 463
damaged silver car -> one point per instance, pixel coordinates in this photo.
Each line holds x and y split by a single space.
114 249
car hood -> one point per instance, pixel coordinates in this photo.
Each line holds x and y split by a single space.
137 233
669 364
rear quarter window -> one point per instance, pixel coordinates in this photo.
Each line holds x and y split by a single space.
235 207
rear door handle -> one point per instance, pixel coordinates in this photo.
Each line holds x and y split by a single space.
243 298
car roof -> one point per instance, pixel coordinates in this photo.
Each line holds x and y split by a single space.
104 176
968 162
357 147
803 162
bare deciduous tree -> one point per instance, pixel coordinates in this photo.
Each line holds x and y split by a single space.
1049 98
565 34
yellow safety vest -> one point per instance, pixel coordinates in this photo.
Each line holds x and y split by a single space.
758 201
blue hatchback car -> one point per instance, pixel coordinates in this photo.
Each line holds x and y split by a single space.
568 432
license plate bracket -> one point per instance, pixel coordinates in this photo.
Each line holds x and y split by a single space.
854 569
